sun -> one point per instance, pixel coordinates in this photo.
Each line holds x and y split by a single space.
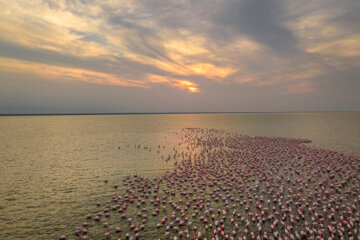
193 89
185 84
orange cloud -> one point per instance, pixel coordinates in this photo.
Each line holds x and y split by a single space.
185 84
58 73
72 30
193 89
210 71
181 84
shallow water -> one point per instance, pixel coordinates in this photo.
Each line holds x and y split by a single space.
52 167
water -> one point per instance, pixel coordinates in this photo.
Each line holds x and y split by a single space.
52 167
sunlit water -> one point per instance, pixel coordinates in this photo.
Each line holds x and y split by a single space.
52 167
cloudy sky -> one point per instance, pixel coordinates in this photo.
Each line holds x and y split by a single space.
73 56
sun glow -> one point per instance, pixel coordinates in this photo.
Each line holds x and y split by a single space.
210 71
193 89
185 84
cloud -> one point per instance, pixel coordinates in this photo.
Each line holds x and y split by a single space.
58 73
258 20
287 46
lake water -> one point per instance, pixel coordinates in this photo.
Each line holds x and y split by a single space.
52 167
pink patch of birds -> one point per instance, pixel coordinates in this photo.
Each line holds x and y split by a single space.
230 186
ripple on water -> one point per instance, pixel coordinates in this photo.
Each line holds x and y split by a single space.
88 145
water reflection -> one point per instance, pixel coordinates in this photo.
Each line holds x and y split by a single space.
52 167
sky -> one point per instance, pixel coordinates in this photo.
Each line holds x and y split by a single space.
99 56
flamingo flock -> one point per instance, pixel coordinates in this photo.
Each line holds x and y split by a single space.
229 186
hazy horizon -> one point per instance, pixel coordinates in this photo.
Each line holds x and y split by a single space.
149 113
90 56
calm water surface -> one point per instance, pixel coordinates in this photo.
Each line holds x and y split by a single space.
52 167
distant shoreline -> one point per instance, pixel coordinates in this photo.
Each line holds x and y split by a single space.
160 113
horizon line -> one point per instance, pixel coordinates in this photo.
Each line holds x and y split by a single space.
149 113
